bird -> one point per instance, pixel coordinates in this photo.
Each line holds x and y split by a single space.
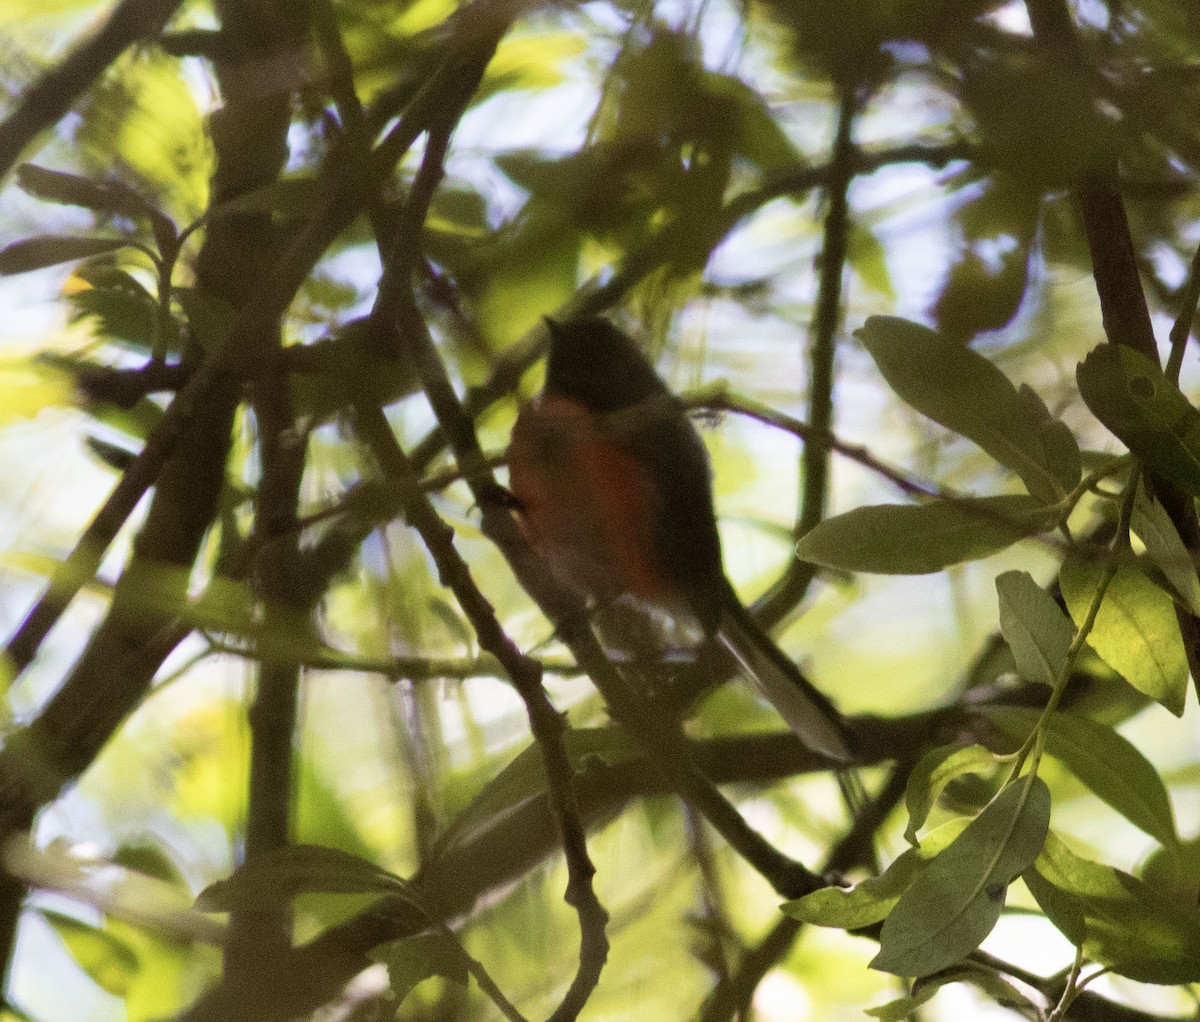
612 485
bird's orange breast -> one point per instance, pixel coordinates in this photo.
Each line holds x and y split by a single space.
586 503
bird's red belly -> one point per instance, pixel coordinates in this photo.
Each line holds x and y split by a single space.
586 503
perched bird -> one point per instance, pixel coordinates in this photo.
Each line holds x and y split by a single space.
613 487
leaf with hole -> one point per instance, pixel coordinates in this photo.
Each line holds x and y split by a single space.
955 902
1131 395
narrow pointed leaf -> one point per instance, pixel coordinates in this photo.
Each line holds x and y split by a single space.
109 197
1111 766
1135 632
1120 921
110 962
899 539
51 249
963 391
1156 530
955 902
270 880
1062 449
1035 628
1132 396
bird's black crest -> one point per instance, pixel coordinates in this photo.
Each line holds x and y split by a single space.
594 363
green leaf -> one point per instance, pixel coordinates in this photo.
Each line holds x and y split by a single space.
954 904
105 197
900 539
414 959
270 880
903 1007
1156 530
1131 395
963 391
1062 449
1110 766
51 249
111 963
849 908
1119 921
1035 628
868 258
933 772
524 779
1135 632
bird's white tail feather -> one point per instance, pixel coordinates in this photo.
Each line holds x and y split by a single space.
805 711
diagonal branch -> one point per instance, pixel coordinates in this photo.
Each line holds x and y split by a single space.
51 96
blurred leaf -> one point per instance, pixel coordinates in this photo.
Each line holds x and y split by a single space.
1107 763
1118 920
69 189
530 60
123 309
1035 628
963 391
954 904
146 111
1135 632
933 772
868 258
524 779
903 1007
51 249
273 878
414 959
1132 397
108 961
1156 530
105 197
898 539
29 385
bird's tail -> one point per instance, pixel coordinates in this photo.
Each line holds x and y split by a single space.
807 712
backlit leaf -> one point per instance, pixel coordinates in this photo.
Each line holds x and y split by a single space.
111 963
933 772
1135 632
899 539
1156 530
1119 921
1109 764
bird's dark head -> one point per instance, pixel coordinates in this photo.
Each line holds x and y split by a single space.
594 363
